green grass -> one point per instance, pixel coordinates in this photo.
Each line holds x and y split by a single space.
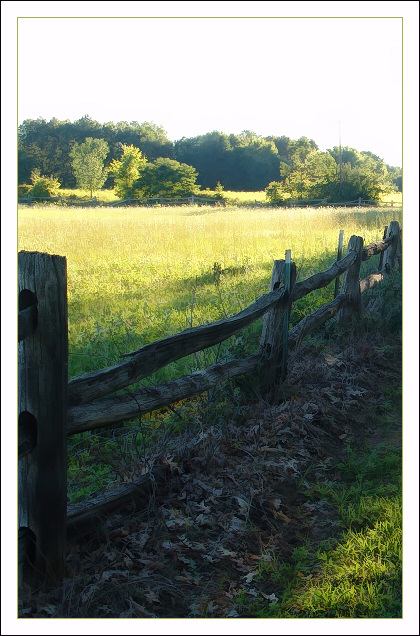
360 574
396 197
136 275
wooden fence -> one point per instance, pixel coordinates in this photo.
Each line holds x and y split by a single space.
145 201
51 408
197 200
359 203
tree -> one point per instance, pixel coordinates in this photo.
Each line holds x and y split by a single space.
305 170
253 162
363 175
153 141
209 154
167 178
126 171
88 163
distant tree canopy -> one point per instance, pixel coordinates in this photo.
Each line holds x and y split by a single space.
240 162
246 162
47 145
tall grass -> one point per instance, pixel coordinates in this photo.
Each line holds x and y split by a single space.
139 274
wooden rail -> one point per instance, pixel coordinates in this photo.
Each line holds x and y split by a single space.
51 408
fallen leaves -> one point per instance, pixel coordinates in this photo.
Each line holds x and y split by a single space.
208 537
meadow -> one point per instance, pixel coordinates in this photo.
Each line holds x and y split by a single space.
136 275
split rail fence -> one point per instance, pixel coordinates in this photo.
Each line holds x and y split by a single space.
145 201
51 408
197 200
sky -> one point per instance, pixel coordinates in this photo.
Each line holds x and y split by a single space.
323 78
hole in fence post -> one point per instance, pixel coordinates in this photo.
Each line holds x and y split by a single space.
27 298
27 433
27 320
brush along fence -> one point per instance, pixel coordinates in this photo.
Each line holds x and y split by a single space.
144 201
51 408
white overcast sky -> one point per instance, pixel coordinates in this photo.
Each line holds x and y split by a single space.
293 76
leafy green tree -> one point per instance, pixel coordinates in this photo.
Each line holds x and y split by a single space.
209 154
240 162
88 163
305 169
363 175
126 170
396 176
167 178
253 162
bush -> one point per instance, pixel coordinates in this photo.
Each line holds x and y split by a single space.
43 187
275 193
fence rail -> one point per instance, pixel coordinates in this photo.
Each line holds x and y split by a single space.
198 200
51 408
360 203
145 201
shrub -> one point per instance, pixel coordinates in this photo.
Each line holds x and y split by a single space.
275 193
43 187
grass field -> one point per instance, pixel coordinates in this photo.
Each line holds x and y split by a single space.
136 275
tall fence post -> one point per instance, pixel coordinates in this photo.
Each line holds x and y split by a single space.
42 403
351 283
339 253
381 258
275 322
286 315
393 255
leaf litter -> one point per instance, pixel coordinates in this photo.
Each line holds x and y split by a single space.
235 499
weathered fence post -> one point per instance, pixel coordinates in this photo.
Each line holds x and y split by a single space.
392 257
275 323
339 253
351 283
42 397
381 258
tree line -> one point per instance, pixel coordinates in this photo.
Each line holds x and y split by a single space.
140 159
